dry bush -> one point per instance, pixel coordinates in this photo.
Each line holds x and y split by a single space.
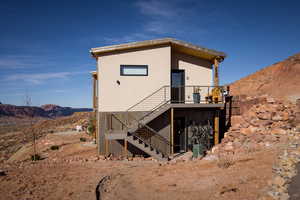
225 160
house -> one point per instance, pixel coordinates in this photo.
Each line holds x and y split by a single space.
158 97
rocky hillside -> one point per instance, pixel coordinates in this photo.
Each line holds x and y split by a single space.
48 111
279 80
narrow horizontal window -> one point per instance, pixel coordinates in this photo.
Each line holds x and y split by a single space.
134 70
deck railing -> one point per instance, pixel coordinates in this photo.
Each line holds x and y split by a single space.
192 94
180 94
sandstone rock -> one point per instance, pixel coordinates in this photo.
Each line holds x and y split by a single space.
284 196
244 131
228 146
285 116
270 100
279 181
236 121
264 123
249 130
214 149
210 157
277 117
278 131
265 116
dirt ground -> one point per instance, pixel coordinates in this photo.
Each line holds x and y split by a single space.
73 172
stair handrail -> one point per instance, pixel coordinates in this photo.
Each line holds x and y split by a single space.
156 134
147 97
117 118
154 109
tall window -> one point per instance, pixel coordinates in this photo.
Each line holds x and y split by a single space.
134 70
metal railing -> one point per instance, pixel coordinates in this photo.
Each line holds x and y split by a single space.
197 94
191 94
149 136
179 94
152 101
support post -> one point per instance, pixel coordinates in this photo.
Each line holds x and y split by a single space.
172 131
125 148
97 130
101 133
106 147
216 127
106 140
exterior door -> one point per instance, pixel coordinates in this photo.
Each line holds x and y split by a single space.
177 86
179 135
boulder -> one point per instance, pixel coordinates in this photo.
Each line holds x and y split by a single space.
285 116
249 130
279 181
264 123
265 116
277 118
278 131
270 100
229 146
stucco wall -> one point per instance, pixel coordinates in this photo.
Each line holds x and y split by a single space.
197 72
132 89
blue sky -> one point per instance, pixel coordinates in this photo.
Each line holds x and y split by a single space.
44 45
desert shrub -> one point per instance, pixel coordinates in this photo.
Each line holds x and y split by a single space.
91 126
54 147
82 139
225 161
35 157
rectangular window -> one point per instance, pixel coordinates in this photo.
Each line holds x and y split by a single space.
134 70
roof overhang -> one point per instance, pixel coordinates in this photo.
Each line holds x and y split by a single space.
177 45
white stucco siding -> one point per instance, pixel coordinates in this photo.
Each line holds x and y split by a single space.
198 72
132 89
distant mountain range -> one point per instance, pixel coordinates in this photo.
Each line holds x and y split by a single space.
47 111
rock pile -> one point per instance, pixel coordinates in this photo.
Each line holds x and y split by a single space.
285 168
261 125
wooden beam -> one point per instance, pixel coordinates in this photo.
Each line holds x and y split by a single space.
216 72
216 127
172 132
94 94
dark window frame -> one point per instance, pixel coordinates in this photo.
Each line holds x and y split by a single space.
133 66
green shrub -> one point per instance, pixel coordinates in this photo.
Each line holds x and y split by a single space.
54 147
36 157
91 126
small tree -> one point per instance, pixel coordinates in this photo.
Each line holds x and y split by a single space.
28 102
91 126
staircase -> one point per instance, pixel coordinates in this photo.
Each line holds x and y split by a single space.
138 131
140 127
145 147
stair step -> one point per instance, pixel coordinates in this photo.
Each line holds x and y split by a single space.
147 148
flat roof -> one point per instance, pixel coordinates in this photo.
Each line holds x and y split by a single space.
177 45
